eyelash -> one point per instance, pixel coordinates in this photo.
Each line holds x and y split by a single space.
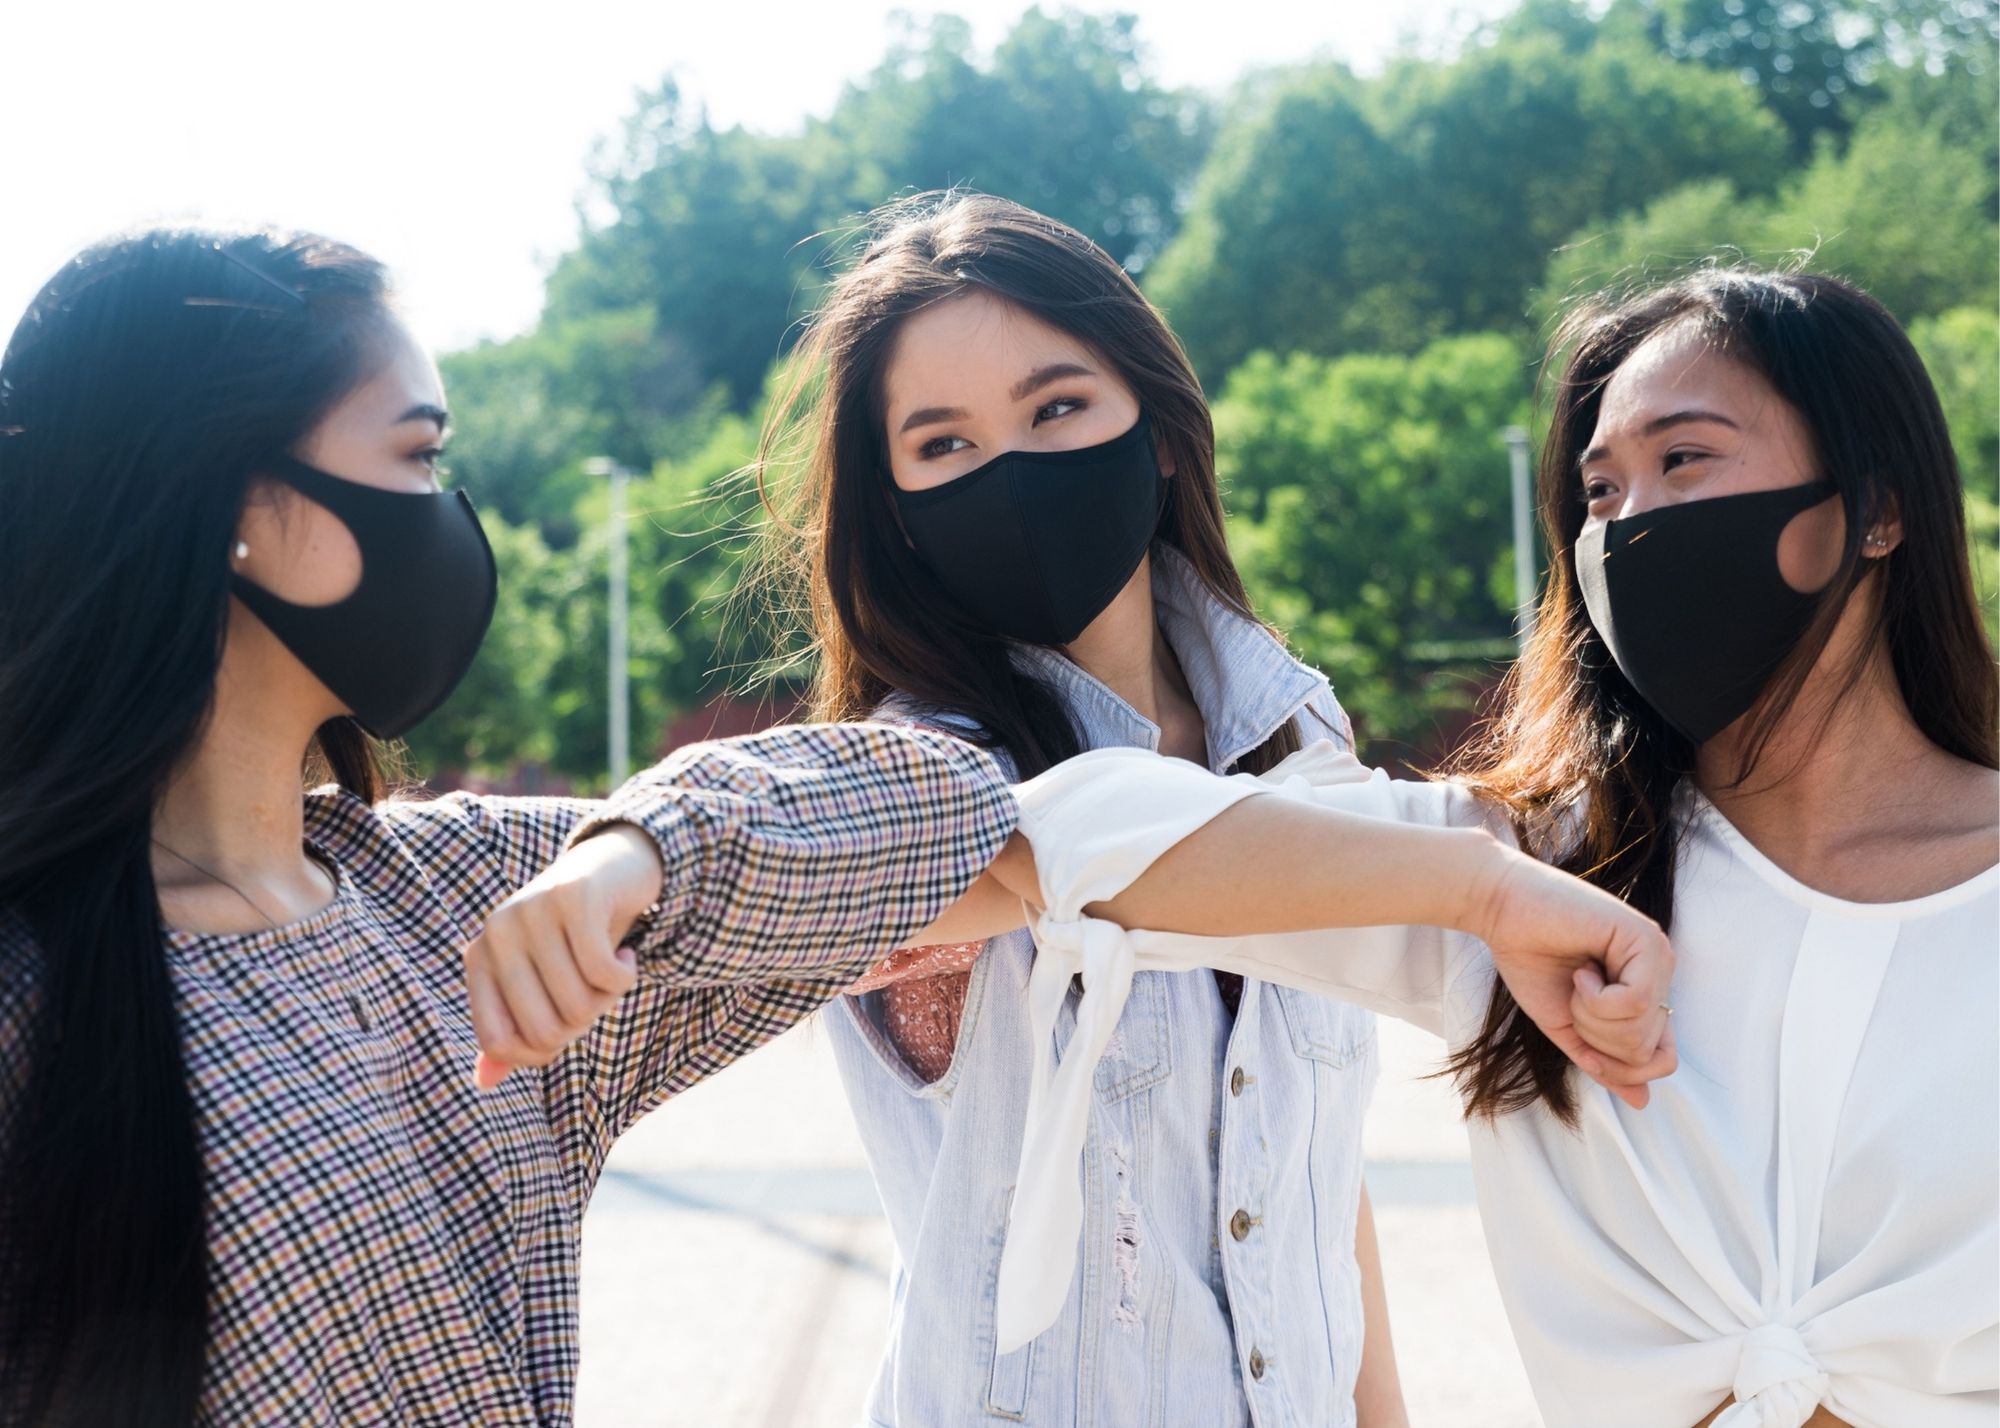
927 451
430 456
1593 489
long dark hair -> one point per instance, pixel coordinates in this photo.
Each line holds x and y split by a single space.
880 623
1586 768
147 382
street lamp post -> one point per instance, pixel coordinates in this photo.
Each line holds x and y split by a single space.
620 679
1524 536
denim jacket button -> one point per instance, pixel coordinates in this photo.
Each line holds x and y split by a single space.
1236 1082
1256 1364
1239 1224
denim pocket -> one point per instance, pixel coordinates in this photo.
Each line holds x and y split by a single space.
1325 1030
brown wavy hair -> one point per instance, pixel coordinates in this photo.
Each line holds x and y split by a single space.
1587 771
872 614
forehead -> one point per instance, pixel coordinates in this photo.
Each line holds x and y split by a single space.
402 376
960 349
1680 368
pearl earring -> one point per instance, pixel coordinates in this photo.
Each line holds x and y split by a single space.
242 550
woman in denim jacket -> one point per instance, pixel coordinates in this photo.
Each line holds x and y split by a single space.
1017 537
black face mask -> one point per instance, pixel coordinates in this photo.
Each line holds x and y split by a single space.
1690 602
396 647
1034 544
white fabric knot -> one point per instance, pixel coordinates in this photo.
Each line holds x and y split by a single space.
1778 1384
1045 1219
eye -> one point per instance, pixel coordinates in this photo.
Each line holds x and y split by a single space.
1681 458
1060 407
1595 489
942 446
429 457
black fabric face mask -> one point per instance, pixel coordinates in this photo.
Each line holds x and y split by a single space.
1035 544
1690 601
395 647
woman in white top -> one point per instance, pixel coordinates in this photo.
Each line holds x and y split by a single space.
1801 1228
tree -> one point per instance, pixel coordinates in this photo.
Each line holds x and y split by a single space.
498 716
1817 62
1962 350
1065 120
717 234
1355 216
1370 517
1903 211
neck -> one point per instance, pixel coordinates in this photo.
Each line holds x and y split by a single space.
1124 650
1832 758
235 806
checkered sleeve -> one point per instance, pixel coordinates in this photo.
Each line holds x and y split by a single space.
793 860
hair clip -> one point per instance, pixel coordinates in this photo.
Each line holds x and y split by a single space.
291 295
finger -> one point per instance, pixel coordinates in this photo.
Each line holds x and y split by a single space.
1637 1097
1619 1040
488 1071
1573 1046
556 957
603 965
1615 1001
540 1025
491 1024
1612 1021
1644 961
1623 1073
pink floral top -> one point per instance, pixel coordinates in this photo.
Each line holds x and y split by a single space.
923 994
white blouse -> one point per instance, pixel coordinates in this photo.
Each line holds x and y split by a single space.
1806 1213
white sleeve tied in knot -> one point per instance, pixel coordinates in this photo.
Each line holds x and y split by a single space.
1096 823
1778 1383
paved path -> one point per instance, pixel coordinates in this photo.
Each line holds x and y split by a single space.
735 1261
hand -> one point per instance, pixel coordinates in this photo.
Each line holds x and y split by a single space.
547 964
1591 972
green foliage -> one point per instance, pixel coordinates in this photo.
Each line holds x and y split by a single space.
1904 212
499 717
1962 350
1372 519
1378 215
1357 264
712 233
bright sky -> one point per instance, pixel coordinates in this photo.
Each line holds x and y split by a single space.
450 137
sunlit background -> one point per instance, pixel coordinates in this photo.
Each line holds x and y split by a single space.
608 217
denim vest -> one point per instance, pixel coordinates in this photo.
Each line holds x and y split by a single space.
1216 1282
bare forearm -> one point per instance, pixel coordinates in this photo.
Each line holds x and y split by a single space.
1378 1389
1279 865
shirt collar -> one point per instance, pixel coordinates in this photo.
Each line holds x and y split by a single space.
1243 679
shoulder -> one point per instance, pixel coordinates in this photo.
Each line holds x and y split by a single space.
901 711
1322 717
356 832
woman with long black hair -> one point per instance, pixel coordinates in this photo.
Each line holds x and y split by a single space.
249 1173
1759 705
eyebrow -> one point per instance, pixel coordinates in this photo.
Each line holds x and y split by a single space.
1021 391
1043 376
425 412
1661 423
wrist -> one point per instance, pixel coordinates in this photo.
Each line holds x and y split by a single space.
1481 877
635 875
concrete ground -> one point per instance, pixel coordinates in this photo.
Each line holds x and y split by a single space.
735 1261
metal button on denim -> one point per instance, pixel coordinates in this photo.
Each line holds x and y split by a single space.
1239 1224
1256 1364
1236 1082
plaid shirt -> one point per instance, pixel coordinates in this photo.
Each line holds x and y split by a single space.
389 1245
